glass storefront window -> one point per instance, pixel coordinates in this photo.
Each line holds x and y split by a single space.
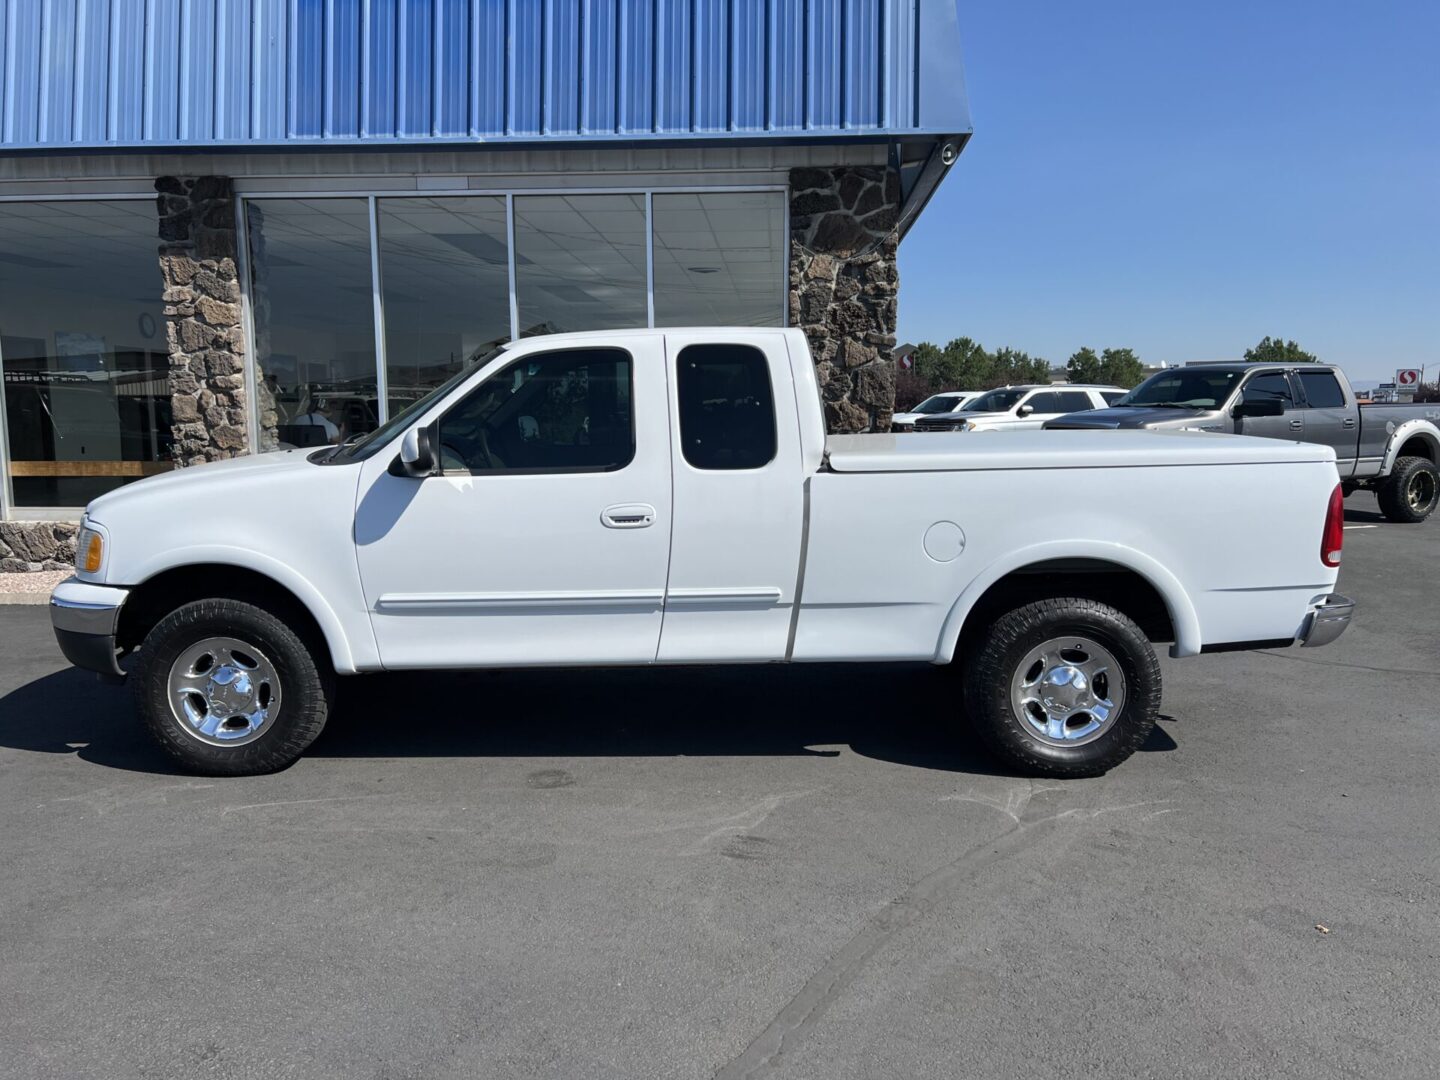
313 308
445 280
82 328
580 262
719 258
82 348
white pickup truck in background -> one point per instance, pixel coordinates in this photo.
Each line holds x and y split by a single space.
670 497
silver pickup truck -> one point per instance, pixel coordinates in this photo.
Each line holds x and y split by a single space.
1392 449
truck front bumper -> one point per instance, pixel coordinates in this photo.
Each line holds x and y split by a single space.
85 618
1328 621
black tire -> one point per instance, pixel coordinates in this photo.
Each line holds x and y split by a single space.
307 682
993 664
1409 494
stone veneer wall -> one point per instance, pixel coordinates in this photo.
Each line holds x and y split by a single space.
36 545
202 317
843 286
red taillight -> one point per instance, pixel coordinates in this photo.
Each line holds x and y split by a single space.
1333 538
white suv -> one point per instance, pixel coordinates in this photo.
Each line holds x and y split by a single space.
1016 408
934 405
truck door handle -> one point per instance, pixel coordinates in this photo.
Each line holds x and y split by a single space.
1349 421
1297 425
628 516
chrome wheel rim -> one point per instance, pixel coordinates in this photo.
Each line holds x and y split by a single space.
223 691
1422 492
1067 691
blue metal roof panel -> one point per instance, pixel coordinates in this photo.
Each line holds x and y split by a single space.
174 73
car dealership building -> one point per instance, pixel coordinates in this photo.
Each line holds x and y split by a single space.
234 225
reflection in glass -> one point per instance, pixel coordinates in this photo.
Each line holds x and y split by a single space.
580 262
445 279
82 344
566 411
719 259
313 308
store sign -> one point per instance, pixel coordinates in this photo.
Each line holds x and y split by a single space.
46 378
1407 378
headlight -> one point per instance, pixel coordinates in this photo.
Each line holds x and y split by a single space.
968 425
89 550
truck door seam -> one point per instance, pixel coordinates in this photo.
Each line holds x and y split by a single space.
800 572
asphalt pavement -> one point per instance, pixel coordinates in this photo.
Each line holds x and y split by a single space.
790 873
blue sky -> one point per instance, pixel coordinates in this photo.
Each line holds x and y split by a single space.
1185 178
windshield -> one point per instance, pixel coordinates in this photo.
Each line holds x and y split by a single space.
994 401
1186 388
937 404
364 448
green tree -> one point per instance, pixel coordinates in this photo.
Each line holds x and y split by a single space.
1279 351
1121 367
968 366
1014 366
1083 366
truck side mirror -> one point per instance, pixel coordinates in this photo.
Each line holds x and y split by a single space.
1025 410
416 458
1263 407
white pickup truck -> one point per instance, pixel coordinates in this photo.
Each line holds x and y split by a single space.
670 497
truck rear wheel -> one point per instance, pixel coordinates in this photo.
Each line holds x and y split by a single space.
1409 494
1065 687
228 689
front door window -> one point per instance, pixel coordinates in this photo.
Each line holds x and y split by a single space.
563 411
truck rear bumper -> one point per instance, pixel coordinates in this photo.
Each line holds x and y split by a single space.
1328 621
84 618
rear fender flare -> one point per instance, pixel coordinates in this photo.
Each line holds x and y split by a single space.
1177 601
1410 429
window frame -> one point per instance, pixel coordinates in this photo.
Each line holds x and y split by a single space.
1305 402
436 426
1029 399
8 510
647 187
774 407
1244 388
1090 396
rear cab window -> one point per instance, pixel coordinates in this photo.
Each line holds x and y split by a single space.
727 407
1322 390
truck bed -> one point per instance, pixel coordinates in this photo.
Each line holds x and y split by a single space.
985 451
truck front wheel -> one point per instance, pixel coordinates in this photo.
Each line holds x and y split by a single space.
1065 687
228 689
1409 494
